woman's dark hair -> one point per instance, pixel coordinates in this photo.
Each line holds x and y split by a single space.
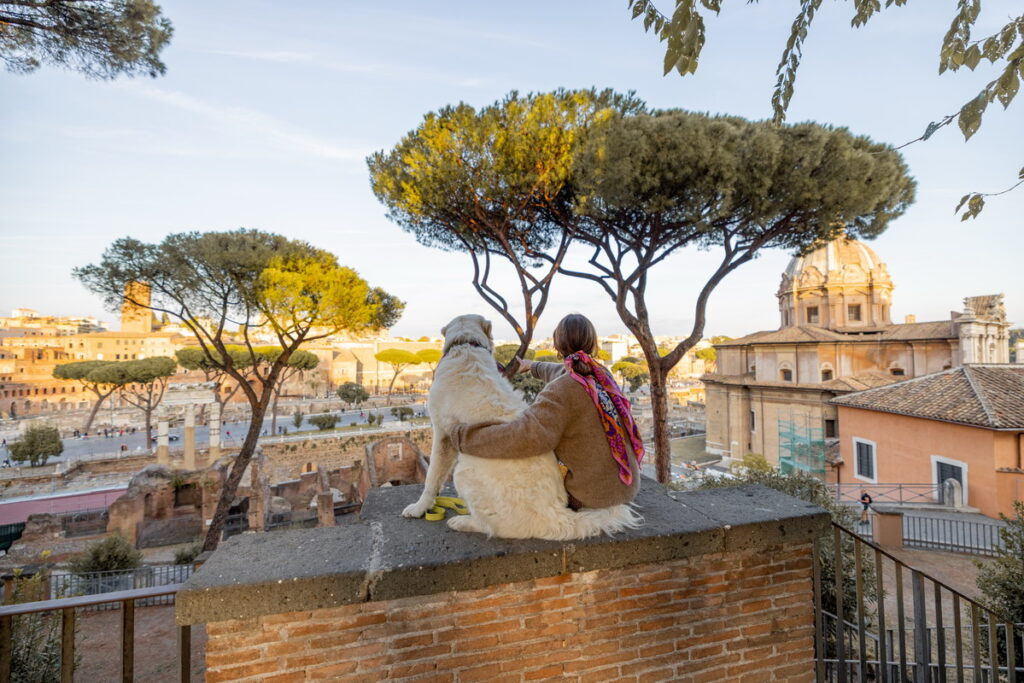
575 333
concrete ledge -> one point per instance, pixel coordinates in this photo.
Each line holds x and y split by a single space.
384 556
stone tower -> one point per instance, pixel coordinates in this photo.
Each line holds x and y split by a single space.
135 317
984 330
841 286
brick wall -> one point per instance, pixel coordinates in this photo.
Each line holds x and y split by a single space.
741 615
286 459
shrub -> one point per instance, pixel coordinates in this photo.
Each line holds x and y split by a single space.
36 445
113 553
188 554
324 422
1000 581
402 413
297 419
35 638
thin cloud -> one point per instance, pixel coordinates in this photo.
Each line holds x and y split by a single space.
269 129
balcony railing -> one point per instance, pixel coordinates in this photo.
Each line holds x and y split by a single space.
930 632
902 494
957 535
67 608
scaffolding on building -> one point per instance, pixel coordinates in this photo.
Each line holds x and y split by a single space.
801 446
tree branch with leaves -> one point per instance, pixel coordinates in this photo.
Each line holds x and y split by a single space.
683 35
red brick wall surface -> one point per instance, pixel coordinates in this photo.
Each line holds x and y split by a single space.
724 617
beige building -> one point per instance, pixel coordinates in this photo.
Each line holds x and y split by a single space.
770 392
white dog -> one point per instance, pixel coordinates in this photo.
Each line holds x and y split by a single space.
509 498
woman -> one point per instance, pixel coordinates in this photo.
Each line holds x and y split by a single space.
581 415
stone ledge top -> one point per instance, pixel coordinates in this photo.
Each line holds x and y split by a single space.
383 556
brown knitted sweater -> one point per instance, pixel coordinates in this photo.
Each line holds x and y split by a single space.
563 419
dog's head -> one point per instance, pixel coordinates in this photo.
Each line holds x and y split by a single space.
468 329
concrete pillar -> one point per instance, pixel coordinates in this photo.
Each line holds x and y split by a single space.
888 527
163 451
214 424
325 509
190 437
259 494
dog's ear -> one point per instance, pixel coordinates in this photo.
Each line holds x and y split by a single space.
444 330
486 326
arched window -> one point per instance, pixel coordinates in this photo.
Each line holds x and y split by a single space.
897 372
826 374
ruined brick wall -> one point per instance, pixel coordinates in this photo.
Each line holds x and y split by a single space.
285 460
741 615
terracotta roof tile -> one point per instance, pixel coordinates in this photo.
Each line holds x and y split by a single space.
942 329
989 396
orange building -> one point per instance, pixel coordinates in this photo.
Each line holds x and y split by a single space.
966 423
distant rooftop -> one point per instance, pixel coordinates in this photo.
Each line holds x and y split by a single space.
989 396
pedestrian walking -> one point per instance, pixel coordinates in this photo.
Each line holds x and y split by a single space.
865 501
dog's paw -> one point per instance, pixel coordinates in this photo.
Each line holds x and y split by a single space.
463 523
417 509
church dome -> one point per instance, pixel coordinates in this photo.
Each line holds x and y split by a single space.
835 256
842 285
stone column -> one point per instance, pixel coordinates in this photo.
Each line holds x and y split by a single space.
190 436
259 493
163 453
325 509
214 424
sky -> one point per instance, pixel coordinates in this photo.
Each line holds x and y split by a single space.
265 117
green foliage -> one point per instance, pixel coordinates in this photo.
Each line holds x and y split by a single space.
324 422
528 385
113 553
374 419
493 183
403 413
398 359
708 355
504 353
751 462
1000 581
297 419
194 358
720 339
100 39
430 357
188 554
546 356
683 35
37 445
636 374
79 370
35 638
352 393
128 372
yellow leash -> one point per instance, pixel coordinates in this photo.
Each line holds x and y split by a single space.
436 513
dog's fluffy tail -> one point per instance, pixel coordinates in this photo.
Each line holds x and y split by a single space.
610 520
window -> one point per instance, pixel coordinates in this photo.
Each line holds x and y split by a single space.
830 429
753 422
864 459
826 375
853 312
812 315
945 468
787 375
897 372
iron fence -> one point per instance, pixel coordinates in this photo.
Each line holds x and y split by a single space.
979 538
84 522
930 632
67 584
67 609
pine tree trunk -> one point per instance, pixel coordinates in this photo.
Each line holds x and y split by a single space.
659 408
92 414
149 428
230 487
273 417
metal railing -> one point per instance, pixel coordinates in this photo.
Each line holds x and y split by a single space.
958 535
67 608
67 584
931 632
902 494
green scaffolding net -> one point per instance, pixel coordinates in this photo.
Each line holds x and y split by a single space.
801 446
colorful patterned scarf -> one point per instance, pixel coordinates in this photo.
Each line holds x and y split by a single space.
613 409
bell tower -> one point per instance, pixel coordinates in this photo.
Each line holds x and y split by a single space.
135 316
